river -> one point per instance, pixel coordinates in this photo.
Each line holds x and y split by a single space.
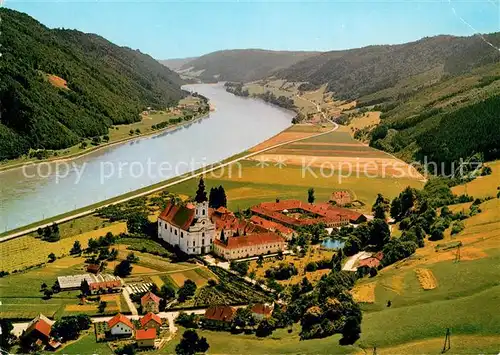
37 192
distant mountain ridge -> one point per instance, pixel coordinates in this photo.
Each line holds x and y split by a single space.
353 73
241 64
60 86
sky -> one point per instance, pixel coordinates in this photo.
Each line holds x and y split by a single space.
177 29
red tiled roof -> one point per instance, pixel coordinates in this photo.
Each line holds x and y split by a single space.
93 268
261 308
179 216
120 318
230 222
148 317
145 334
150 296
41 326
220 313
105 284
270 225
369 262
249 240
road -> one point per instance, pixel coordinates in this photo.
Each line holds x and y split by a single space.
164 186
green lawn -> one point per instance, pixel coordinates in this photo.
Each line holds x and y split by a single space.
86 345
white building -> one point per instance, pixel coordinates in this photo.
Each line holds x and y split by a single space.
188 227
120 325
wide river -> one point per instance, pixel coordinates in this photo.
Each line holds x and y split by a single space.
31 194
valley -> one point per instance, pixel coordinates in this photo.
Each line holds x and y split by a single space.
249 201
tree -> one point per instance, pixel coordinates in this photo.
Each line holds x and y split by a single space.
243 318
123 269
310 195
167 292
113 254
85 288
395 210
102 306
191 343
138 223
380 207
187 290
132 258
52 257
48 293
127 349
351 330
76 249
240 267
201 194
6 337
265 327
187 320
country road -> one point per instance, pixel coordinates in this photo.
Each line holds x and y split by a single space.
159 188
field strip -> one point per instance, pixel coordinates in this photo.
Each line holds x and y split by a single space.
426 279
161 187
364 293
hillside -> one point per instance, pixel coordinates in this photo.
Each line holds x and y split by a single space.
452 119
242 64
58 86
353 73
176 63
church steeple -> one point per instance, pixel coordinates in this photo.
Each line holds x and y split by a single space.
201 201
201 194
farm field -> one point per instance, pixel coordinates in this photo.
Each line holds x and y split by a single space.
482 186
17 253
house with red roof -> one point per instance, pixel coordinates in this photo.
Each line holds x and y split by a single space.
120 325
151 320
188 227
262 310
145 338
38 331
219 316
150 303
231 248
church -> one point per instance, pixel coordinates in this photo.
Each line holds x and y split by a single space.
188 227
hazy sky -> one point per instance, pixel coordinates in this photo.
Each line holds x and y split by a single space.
172 29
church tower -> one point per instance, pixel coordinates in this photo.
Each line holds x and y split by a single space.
201 199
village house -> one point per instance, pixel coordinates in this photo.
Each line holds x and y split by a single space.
151 320
219 316
262 310
38 331
112 286
341 198
150 303
145 338
231 248
188 227
372 261
120 325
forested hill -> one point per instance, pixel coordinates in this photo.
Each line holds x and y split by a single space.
353 73
58 86
242 64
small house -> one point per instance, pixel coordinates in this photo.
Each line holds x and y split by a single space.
150 303
38 331
219 316
151 320
262 310
120 325
145 338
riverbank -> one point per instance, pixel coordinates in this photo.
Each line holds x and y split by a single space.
87 151
84 211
